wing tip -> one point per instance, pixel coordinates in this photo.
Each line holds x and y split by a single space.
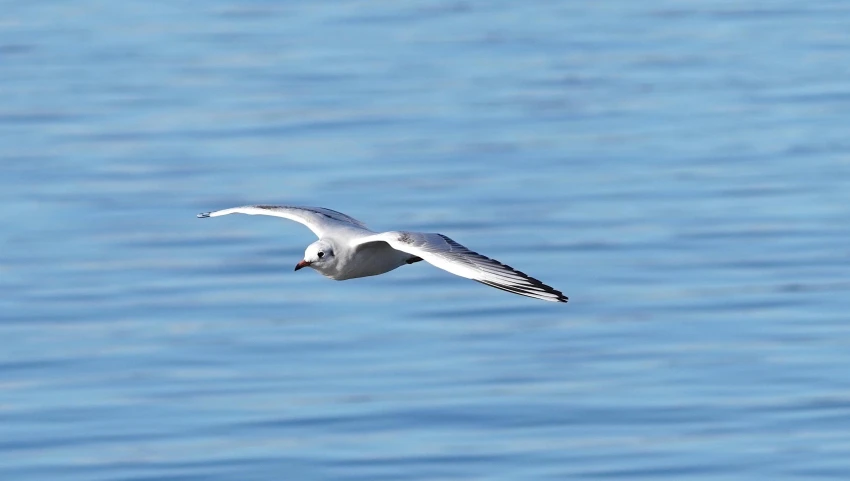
535 288
561 297
548 293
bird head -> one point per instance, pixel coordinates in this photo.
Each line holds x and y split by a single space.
319 254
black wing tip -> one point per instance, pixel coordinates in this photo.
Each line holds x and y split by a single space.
203 215
530 292
561 297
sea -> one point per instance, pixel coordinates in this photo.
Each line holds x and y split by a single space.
679 169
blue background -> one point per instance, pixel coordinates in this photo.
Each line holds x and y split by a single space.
681 170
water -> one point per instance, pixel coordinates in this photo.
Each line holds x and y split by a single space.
680 170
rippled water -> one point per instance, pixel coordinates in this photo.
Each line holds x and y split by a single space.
679 169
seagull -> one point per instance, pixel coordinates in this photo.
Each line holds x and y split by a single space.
347 249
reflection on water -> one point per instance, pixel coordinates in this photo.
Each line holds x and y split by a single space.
679 171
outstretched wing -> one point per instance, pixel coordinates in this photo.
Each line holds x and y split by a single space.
448 255
317 219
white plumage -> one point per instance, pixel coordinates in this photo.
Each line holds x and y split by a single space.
347 249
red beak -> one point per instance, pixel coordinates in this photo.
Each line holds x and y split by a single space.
301 265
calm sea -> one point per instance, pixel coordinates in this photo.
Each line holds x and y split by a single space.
681 170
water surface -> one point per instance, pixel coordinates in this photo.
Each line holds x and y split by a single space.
679 170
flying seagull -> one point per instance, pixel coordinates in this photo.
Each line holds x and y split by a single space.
347 249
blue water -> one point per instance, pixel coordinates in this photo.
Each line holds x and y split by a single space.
681 170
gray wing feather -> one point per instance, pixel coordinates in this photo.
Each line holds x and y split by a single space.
316 211
451 256
317 219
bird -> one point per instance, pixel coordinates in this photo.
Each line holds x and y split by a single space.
347 249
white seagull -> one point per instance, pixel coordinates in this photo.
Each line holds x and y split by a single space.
347 249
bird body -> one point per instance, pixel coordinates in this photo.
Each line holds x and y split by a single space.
347 249
366 260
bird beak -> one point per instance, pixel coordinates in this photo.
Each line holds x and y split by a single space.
301 265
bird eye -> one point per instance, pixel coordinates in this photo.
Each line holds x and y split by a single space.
321 254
